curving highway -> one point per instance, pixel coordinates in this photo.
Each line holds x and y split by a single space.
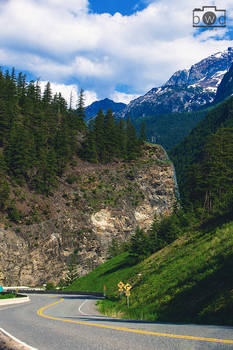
72 322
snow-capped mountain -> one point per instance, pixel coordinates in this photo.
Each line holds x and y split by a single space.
186 90
105 104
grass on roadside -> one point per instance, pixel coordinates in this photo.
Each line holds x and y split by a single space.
189 281
7 296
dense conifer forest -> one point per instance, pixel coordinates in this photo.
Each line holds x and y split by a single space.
40 134
204 160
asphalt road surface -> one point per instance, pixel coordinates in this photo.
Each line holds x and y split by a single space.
72 322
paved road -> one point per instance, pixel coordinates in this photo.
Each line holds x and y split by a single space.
71 322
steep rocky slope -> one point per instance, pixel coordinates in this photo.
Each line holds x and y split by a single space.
93 204
225 89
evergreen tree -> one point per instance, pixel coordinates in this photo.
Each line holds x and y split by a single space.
110 137
4 122
19 152
46 177
21 89
4 184
47 95
89 148
122 139
139 245
10 98
99 136
80 118
132 141
142 137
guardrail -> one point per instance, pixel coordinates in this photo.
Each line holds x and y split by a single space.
57 292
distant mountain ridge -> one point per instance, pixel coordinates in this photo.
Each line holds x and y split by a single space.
187 90
105 104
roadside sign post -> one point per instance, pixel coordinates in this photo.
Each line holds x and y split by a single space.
126 289
104 290
121 288
127 293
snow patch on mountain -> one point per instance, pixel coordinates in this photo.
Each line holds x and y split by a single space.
186 90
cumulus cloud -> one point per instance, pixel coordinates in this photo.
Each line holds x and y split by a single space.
123 97
61 40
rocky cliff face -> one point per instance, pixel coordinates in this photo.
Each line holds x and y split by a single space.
186 90
105 202
225 89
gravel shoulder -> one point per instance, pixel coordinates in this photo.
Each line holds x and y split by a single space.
7 343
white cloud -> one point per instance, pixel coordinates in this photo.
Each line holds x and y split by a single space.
70 90
90 96
58 40
123 97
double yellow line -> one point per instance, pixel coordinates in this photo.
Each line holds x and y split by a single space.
129 330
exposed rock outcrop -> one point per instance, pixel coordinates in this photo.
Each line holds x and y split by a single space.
106 202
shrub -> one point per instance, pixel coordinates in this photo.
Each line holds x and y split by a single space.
13 214
50 286
71 179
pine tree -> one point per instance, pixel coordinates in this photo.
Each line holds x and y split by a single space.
19 152
99 136
80 117
21 89
4 122
46 177
132 142
89 148
122 139
110 137
4 184
10 98
47 95
142 137
139 245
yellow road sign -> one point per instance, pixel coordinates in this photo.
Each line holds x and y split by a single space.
127 286
127 293
121 285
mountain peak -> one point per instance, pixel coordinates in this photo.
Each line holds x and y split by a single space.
186 90
104 104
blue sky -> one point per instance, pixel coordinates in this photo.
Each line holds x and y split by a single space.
115 49
127 7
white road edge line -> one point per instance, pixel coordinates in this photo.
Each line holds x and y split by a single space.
79 309
17 340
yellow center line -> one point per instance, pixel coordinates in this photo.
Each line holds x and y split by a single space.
40 313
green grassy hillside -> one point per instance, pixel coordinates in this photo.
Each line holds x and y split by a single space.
189 281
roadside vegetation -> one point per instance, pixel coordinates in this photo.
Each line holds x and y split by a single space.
8 295
190 280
